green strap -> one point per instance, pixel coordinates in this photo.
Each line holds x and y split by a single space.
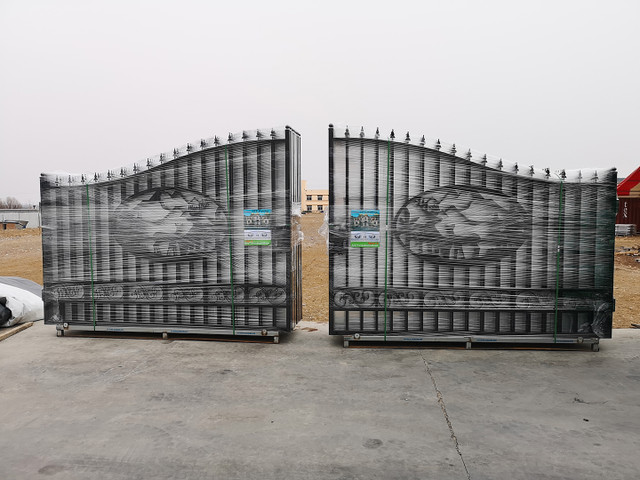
555 320
233 303
93 295
386 243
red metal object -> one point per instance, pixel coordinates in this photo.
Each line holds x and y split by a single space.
630 186
628 210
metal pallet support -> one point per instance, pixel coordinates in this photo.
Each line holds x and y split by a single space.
262 333
469 340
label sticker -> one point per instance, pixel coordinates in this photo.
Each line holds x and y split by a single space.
257 226
365 229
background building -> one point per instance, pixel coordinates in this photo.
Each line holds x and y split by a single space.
316 201
19 218
629 200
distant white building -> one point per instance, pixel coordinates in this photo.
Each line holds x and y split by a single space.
17 216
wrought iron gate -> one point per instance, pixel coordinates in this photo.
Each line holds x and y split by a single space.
423 241
205 238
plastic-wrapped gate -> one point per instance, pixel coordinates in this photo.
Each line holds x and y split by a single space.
424 244
205 240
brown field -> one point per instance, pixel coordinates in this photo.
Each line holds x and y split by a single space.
626 282
21 256
315 269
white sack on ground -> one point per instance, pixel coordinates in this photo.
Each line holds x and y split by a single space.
25 306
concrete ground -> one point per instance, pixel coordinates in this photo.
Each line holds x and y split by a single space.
103 408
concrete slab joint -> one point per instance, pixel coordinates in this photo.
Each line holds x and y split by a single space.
445 414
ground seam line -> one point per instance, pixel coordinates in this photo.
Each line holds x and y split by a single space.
446 415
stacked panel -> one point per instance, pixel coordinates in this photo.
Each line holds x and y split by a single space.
205 238
424 242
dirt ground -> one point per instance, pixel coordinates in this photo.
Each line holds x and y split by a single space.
21 256
626 282
315 269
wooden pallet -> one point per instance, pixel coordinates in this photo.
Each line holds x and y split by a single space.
15 329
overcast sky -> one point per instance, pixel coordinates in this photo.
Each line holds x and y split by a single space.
92 85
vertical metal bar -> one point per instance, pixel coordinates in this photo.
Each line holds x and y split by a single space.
274 191
261 177
513 257
483 268
219 166
421 189
288 200
558 254
390 206
90 241
404 252
332 273
362 207
247 203
437 176
204 262
229 191
376 201
348 206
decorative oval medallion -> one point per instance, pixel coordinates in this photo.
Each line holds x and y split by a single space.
169 222
462 224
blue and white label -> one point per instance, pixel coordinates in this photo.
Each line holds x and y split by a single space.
257 226
365 228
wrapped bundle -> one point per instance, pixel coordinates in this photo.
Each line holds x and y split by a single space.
203 239
424 241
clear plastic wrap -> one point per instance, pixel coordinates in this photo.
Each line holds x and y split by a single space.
205 237
422 240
